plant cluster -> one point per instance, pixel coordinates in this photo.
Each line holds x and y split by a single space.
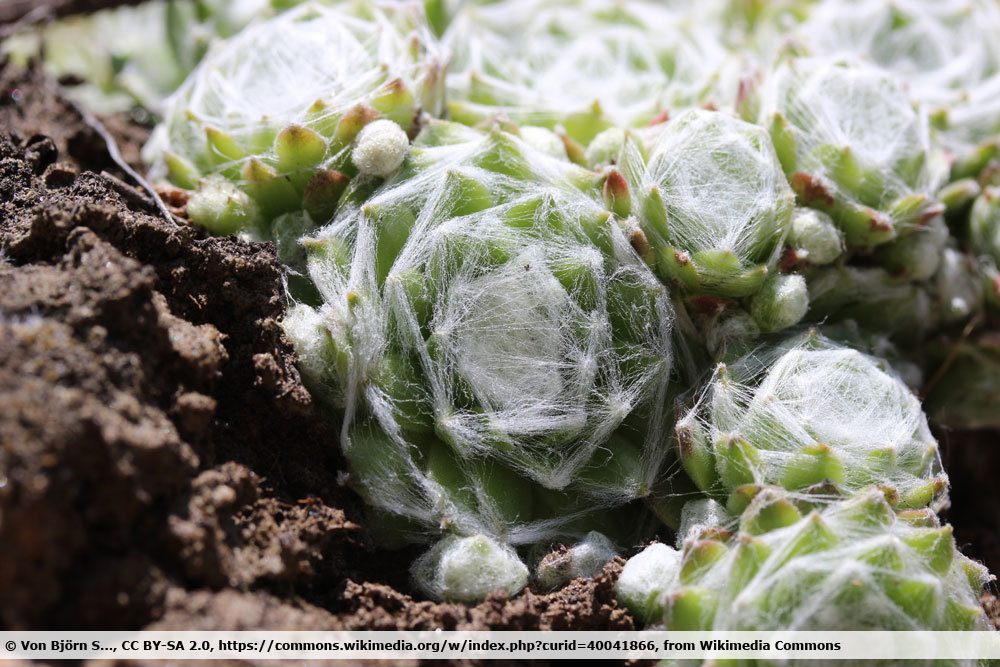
566 269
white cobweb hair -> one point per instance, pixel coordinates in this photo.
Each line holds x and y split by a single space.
526 352
944 52
838 567
270 74
808 396
936 47
840 104
721 185
973 117
542 61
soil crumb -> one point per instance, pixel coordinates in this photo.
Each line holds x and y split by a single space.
31 105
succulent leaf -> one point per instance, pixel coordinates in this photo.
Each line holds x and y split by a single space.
575 64
717 208
502 329
808 413
849 564
361 76
853 146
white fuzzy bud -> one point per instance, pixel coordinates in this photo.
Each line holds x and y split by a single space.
782 302
381 148
644 579
304 327
814 235
220 207
468 569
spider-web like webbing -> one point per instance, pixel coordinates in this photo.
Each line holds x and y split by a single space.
534 335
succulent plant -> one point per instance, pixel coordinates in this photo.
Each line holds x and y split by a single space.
128 56
809 414
499 351
943 52
715 205
937 48
966 390
853 146
281 111
502 309
873 298
984 224
813 238
791 563
580 65
467 569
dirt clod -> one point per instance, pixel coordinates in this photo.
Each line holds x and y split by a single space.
155 434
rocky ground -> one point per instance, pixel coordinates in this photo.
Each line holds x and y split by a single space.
162 465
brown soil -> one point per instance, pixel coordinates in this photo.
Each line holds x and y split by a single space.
163 465
31 106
